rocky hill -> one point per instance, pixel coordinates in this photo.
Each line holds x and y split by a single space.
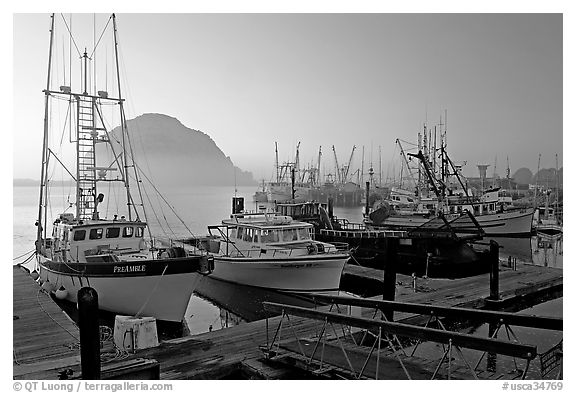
173 154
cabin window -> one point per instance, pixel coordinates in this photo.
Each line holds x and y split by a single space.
269 236
96 233
256 235
139 231
303 234
289 235
79 235
112 232
247 235
127 231
240 233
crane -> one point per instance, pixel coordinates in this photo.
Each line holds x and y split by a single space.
346 169
338 174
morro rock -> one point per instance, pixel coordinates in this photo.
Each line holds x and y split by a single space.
172 154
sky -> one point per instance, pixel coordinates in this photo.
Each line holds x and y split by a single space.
250 80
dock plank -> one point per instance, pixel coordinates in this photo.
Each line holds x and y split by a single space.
44 338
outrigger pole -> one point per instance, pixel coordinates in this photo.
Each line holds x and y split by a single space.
44 171
122 124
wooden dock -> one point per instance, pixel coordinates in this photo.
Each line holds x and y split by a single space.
44 337
236 352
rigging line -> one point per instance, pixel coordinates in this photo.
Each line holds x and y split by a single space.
20 256
165 201
65 123
156 216
71 36
410 143
154 212
50 316
103 31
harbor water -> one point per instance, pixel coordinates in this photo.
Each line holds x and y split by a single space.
216 304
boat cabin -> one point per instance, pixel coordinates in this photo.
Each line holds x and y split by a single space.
247 234
96 240
268 229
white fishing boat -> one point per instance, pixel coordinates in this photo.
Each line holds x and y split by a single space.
492 210
274 251
110 255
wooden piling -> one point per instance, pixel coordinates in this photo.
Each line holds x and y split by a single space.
494 270
389 290
89 333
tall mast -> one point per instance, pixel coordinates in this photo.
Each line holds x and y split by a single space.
556 213
277 168
362 170
536 181
380 165
44 170
319 179
122 124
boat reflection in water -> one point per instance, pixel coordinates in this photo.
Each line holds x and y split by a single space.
242 303
541 249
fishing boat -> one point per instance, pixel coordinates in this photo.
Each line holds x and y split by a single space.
273 251
434 249
494 216
492 210
110 254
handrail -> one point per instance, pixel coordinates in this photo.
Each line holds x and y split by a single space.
493 345
507 318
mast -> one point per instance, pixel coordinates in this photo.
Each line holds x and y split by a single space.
536 181
556 213
122 123
319 179
44 169
380 166
277 168
362 170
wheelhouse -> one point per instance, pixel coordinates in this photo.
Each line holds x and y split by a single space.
81 242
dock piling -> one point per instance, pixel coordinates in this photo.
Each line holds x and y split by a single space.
89 333
389 290
494 270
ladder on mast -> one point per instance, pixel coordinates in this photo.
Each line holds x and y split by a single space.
87 134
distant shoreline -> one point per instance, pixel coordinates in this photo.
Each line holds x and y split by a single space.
67 183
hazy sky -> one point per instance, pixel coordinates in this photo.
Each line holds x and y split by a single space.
249 80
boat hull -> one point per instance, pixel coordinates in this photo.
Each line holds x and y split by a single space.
155 288
303 274
501 224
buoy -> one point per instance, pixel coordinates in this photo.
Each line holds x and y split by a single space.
61 293
48 286
34 274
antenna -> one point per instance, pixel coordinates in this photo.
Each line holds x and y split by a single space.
235 185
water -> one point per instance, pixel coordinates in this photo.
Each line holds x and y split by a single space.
215 304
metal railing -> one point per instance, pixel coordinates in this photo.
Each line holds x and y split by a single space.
382 330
